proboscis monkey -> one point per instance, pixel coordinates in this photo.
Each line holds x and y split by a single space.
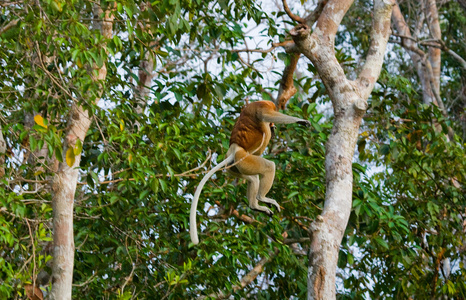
249 138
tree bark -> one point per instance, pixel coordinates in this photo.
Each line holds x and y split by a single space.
65 181
349 99
434 53
287 88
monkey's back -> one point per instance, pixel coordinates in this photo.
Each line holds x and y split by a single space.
249 131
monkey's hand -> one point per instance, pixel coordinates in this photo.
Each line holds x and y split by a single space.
304 122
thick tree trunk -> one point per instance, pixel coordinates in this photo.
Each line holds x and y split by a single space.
349 100
65 181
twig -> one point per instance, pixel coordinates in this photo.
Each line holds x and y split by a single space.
247 279
127 279
100 129
50 75
304 227
86 282
184 174
33 257
8 26
297 240
3 209
245 218
285 44
432 43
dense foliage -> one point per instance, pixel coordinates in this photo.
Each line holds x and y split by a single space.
139 170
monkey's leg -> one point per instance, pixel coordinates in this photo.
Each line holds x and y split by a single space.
266 182
251 167
253 188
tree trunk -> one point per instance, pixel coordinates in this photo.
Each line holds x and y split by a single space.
65 181
427 64
349 100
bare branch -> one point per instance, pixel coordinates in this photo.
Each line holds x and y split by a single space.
291 15
379 38
452 53
298 240
247 279
287 88
288 45
245 218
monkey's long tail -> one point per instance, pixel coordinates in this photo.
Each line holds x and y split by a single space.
192 214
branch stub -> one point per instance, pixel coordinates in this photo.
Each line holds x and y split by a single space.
300 32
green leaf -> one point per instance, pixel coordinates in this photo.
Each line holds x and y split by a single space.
163 185
129 11
292 194
381 242
78 147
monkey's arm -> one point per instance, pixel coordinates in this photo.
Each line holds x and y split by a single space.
279 118
192 214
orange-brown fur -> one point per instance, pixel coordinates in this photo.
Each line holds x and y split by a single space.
249 132
249 138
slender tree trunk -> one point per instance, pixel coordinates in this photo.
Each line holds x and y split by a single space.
142 91
416 54
146 71
65 181
145 75
427 64
349 100
434 53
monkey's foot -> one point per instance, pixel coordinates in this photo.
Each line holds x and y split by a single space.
262 209
270 202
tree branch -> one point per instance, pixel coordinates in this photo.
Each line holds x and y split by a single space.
291 15
379 38
247 279
438 259
288 45
8 26
287 88
245 218
461 61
